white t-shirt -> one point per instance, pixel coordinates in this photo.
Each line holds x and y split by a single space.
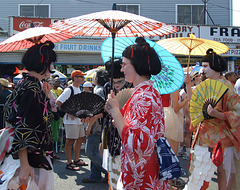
62 98
237 87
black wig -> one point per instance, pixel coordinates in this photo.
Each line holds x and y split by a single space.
39 57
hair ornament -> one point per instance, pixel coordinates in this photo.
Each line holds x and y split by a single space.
213 59
148 59
132 52
40 51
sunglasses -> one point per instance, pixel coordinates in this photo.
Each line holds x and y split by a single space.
119 82
79 76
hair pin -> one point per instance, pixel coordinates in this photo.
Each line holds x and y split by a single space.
40 51
132 52
149 67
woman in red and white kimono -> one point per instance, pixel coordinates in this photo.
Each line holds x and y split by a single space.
141 121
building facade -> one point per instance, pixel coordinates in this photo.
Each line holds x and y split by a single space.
206 19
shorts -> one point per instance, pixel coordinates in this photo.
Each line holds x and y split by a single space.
74 131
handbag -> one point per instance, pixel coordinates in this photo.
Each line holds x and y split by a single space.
170 167
7 171
217 154
14 184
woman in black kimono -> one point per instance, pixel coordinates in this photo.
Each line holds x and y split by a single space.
29 112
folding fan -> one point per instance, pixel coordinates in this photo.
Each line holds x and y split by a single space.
123 96
208 92
84 105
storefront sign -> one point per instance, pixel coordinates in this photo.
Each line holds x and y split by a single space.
221 34
18 24
232 53
183 31
72 47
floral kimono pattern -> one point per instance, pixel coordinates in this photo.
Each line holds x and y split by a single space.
28 111
210 129
144 116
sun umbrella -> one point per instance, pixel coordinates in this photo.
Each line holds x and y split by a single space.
62 76
197 68
17 78
113 23
107 23
192 46
171 76
31 36
90 74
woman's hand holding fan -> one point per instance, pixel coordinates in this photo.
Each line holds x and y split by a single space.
204 98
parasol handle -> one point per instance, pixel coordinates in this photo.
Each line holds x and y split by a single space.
188 61
113 44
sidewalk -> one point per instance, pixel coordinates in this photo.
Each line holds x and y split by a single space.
72 180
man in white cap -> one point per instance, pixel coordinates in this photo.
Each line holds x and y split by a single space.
5 85
87 87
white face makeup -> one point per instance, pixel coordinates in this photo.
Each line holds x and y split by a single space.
128 70
209 73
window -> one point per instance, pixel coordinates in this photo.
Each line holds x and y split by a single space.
190 14
34 10
131 8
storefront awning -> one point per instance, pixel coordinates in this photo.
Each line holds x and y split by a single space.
10 63
17 63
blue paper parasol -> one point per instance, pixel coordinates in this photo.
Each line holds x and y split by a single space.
171 76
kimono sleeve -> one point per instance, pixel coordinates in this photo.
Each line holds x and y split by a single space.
233 117
28 131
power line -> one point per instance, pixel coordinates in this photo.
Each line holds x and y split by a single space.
40 2
230 9
92 2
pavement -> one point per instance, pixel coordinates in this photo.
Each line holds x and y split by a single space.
72 180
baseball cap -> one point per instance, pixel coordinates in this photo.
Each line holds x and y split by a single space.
77 73
87 84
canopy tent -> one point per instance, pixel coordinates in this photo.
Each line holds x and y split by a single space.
61 76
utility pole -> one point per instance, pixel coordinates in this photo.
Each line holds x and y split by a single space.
204 11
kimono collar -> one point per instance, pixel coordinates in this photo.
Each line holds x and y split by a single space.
144 83
33 79
30 77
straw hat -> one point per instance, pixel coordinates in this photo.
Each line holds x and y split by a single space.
5 82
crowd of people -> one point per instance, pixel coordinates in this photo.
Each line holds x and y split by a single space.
121 141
